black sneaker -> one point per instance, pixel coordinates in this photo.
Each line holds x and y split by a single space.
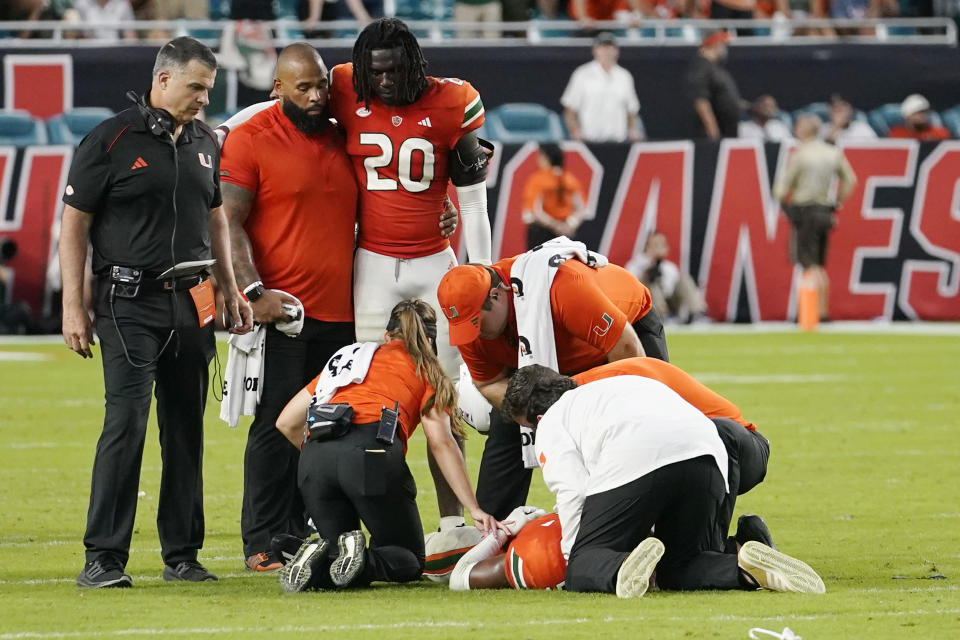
350 563
188 572
285 546
753 528
305 570
99 574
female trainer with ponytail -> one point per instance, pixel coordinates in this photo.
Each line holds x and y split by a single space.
348 475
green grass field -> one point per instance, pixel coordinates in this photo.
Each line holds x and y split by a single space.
863 485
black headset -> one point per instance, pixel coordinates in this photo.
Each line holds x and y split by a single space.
159 120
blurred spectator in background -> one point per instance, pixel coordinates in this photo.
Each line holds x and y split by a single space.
674 293
15 317
843 126
600 102
95 11
713 92
764 123
915 110
30 10
589 11
250 9
185 9
732 9
553 199
805 190
477 11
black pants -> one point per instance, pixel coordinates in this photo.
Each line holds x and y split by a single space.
354 479
747 456
179 380
271 503
503 482
681 501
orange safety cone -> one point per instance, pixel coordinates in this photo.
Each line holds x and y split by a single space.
808 313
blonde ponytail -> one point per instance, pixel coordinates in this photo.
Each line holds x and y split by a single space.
408 322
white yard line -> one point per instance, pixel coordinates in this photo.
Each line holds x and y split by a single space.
459 624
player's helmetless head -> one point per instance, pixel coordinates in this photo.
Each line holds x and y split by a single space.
303 86
388 64
183 75
532 390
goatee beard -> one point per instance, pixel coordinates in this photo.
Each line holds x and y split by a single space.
307 123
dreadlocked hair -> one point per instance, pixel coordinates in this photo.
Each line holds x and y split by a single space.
409 322
389 33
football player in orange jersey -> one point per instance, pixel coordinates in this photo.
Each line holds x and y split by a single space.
408 135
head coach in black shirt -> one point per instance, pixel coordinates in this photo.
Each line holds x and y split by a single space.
144 191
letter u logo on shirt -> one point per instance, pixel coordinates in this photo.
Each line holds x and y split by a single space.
205 160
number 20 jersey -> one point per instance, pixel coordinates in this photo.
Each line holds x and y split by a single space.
400 156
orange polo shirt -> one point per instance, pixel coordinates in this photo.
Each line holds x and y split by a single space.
301 225
555 193
709 402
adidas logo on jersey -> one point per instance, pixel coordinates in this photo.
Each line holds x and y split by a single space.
425 122
139 164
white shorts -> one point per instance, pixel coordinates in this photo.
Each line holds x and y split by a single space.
380 282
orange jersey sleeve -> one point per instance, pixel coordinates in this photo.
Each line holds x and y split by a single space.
305 196
400 156
708 401
583 309
534 559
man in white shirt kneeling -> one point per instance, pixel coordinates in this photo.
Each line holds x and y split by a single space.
627 455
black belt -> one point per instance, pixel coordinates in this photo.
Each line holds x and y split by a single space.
175 284
153 285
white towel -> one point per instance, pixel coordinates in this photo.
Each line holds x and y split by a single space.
531 278
293 325
349 365
242 375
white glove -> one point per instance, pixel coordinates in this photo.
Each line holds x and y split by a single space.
521 517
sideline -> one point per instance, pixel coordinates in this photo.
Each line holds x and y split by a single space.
846 327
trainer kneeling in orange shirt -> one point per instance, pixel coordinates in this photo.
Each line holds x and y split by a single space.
353 469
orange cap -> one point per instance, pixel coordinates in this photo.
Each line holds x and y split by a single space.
715 38
461 293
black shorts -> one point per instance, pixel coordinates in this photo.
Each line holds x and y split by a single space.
811 225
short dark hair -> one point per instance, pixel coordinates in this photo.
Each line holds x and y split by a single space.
553 153
389 33
178 53
534 389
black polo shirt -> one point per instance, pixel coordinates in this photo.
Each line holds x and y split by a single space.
128 179
712 82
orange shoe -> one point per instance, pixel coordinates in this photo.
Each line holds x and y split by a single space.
263 562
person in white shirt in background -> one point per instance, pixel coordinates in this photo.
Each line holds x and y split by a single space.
94 11
626 455
764 123
842 125
674 293
600 102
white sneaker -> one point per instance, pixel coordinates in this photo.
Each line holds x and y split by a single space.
633 578
776 571
350 563
295 576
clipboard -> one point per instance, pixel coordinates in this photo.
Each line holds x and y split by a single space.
187 269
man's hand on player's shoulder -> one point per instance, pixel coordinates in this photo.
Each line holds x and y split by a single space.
449 218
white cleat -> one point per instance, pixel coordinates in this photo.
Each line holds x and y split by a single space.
776 571
295 575
633 578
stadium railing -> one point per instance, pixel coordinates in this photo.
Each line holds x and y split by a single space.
911 31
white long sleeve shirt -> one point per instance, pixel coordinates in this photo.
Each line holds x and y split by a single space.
610 432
